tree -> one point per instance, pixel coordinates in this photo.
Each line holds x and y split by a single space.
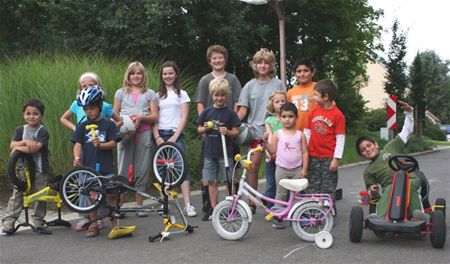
397 80
419 84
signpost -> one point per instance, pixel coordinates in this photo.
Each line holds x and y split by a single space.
391 114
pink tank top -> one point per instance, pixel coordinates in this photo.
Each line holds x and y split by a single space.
289 150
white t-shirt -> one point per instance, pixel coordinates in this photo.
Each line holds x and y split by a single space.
170 109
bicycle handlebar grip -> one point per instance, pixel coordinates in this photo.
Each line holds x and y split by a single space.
92 128
258 149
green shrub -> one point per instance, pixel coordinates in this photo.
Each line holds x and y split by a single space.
433 131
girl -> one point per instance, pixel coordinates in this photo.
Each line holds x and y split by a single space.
255 94
85 80
291 151
173 111
141 104
272 123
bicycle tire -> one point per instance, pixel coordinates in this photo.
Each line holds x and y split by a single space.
81 190
234 229
169 164
306 228
20 167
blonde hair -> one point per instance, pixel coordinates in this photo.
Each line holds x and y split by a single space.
270 107
88 75
218 85
264 55
133 67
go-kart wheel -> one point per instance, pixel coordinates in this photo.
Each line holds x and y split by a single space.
441 205
227 225
169 164
81 190
21 170
438 229
307 224
356 224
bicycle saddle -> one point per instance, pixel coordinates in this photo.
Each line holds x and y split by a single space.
295 185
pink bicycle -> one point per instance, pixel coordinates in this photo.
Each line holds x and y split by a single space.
309 214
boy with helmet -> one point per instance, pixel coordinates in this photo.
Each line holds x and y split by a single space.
97 144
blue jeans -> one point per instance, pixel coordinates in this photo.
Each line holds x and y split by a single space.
271 186
166 134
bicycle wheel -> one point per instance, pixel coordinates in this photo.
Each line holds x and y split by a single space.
21 170
309 223
169 164
81 190
230 227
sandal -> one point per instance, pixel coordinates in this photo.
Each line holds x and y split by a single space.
93 231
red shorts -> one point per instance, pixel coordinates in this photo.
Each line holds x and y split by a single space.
257 142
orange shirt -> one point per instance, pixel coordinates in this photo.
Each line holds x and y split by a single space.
302 97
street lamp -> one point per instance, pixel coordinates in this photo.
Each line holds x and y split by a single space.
276 6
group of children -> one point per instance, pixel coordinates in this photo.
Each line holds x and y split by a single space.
303 130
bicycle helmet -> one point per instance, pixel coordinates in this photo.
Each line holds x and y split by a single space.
90 96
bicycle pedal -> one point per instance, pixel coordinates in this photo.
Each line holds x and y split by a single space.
269 216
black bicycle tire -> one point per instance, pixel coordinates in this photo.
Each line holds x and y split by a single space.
21 185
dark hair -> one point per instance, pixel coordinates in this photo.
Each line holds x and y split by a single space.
289 107
176 84
34 103
360 140
327 87
307 62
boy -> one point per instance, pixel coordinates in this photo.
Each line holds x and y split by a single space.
302 94
253 101
216 56
95 144
325 132
213 155
31 138
378 171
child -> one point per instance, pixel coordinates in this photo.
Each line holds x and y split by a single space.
325 131
302 94
254 96
291 151
173 117
31 138
98 148
273 124
216 56
378 171
141 104
213 154
85 80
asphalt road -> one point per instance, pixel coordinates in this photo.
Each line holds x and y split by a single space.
263 244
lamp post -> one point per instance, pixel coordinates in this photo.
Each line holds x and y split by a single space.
276 6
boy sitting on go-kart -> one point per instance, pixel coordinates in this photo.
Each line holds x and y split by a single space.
378 171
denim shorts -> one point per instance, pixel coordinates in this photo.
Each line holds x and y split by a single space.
213 168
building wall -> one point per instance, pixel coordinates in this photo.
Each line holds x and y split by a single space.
374 93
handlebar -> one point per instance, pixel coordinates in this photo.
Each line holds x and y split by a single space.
246 163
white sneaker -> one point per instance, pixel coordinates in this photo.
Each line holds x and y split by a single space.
190 210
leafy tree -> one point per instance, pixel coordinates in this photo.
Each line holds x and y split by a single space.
419 84
397 80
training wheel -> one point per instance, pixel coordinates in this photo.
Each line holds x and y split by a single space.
324 239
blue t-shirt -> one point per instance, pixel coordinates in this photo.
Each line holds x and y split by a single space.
107 111
213 141
106 131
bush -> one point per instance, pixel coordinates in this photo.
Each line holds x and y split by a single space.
374 119
433 131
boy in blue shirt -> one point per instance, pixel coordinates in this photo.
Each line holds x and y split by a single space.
213 154
95 151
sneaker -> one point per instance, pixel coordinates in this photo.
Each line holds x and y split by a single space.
142 213
190 210
100 224
418 214
8 230
208 215
278 225
81 225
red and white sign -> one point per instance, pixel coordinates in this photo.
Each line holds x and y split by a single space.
391 112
